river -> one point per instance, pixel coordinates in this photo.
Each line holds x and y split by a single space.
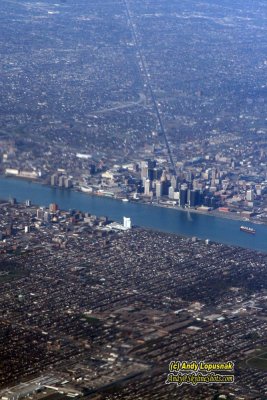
160 218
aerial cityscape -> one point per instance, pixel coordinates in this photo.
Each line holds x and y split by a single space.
133 199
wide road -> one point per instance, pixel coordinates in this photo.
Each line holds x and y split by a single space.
146 78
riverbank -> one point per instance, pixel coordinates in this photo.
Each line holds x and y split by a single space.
185 222
211 213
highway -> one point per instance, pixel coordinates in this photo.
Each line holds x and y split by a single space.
146 78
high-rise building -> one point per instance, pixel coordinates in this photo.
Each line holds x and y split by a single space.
165 187
151 169
156 174
40 213
183 197
249 195
61 181
147 187
127 223
176 196
147 169
188 176
213 174
144 170
171 193
54 180
174 182
53 207
158 189
193 198
68 183
47 216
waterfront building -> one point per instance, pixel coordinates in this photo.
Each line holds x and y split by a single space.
171 193
147 187
174 182
68 183
54 180
127 223
176 196
53 207
183 197
47 216
193 198
158 189
61 181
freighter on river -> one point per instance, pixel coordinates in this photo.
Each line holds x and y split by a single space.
247 229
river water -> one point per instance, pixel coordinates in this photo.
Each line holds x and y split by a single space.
164 219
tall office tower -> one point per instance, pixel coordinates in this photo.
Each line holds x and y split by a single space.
156 174
61 181
47 216
249 195
188 176
127 223
53 207
144 170
40 213
158 189
147 187
163 176
193 198
144 182
171 193
68 183
176 196
151 164
150 172
174 182
213 174
165 187
54 180
28 203
183 197
184 186
197 184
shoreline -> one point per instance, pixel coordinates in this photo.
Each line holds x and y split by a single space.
212 213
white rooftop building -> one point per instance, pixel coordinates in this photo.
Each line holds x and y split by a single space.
127 223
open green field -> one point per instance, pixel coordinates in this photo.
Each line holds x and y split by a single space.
258 360
10 271
10 276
